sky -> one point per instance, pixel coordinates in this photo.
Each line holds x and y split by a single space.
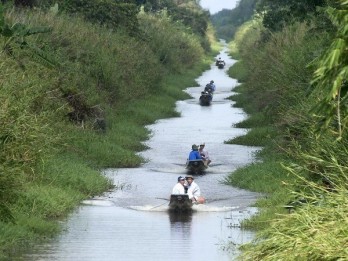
215 6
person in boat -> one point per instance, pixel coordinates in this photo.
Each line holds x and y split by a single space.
212 84
179 187
194 154
205 98
210 87
193 191
220 61
204 154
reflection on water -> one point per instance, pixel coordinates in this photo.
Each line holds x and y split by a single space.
179 218
133 222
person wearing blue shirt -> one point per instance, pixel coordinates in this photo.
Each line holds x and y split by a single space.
210 87
194 154
213 86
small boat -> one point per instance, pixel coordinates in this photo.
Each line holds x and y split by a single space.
180 203
196 166
205 98
220 64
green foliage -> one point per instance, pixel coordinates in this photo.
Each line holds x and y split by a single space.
157 5
116 15
46 202
322 158
322 213
259 177
115 150
124 77
280 75
238 71
188 12
227 22
15 37
258 136
330 78
258 119
314 169
197 21
277 14
26 132
180 50
69 172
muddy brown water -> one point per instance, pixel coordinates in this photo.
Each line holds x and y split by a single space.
132 223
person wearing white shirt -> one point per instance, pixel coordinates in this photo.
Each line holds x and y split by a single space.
179 187
194 192
204 154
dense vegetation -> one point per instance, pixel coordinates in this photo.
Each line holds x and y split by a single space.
226 22
78 83
80 79
293 69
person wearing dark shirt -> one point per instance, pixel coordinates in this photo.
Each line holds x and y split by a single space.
194 154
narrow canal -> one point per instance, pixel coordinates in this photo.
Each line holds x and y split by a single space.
132 223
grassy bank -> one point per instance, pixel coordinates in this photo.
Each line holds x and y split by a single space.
75 99
297 166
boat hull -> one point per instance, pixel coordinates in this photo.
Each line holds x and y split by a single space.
180 203
196 167
205 99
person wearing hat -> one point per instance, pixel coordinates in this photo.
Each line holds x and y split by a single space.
194 154
204 154
194 192
179 187
213 86
218 61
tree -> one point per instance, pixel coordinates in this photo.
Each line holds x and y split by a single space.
226 21
278 13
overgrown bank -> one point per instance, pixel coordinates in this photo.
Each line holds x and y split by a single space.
74 99
294 89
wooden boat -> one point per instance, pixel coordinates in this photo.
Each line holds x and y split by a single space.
205 98
180 203
196 166
220 64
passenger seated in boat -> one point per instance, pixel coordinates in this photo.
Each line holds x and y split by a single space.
210 87
204 154
194 192
213 86
194 154
179 187
220 61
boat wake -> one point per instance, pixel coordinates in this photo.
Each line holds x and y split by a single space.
159 208
195 208
98 202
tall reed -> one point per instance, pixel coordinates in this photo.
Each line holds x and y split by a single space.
311 174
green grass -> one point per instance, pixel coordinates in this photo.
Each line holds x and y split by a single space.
264 177
254 120
261 136
238 71
297 165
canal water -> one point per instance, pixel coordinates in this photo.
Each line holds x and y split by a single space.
132 223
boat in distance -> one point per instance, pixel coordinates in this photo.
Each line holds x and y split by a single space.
196 167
